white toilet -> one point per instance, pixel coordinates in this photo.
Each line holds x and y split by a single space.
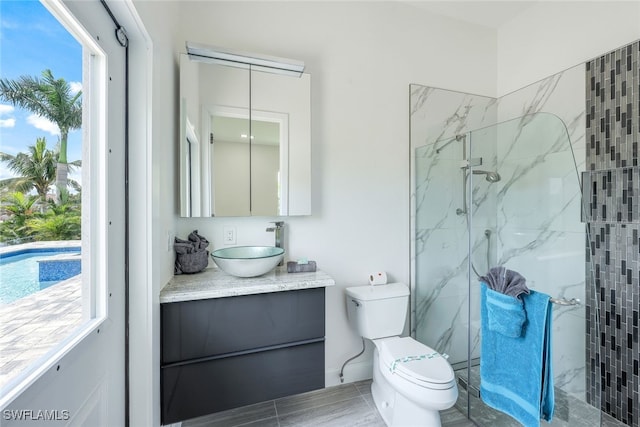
411 381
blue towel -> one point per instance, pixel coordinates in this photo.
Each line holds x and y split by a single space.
505 314
515 372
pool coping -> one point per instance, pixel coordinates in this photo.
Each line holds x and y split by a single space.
37 246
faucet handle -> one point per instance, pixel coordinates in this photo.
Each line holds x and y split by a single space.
277 225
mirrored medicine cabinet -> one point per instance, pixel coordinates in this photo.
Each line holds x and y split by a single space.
245 140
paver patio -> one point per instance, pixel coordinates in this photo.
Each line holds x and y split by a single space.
33 325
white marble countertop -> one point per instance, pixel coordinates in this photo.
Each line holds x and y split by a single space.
215 283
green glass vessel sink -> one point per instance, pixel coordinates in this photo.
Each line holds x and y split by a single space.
248 261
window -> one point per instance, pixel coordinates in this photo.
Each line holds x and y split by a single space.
52 189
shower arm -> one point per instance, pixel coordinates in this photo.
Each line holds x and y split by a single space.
457 138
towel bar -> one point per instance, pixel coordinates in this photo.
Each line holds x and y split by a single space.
564 301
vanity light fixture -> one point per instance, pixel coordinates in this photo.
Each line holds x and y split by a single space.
269 64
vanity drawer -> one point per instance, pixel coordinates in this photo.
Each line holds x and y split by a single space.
199 388
204 328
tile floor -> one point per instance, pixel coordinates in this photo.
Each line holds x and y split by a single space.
351 405
346 405
569 411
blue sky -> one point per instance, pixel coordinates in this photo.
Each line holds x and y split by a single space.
32 40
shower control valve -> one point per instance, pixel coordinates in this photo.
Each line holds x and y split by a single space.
470 163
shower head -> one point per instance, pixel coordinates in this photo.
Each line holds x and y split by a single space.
491 176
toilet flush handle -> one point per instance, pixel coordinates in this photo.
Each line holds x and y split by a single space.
355 302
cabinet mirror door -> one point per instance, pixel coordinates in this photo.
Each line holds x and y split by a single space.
215 109
245 145
283 103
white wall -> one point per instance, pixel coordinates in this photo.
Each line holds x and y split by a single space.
362 57
160 21
231 173
553 36
265 162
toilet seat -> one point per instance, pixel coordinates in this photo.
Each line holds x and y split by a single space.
416 363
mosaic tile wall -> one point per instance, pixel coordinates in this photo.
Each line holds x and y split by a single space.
611 185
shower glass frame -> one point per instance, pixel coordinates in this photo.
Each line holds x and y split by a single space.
553 148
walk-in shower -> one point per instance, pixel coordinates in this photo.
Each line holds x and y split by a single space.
517 203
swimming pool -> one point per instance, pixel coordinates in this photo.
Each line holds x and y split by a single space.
20 271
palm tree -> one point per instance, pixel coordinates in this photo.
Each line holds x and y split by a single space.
36 169
18 207
62 220
52 99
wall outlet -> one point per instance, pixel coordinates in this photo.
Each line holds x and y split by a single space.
229 235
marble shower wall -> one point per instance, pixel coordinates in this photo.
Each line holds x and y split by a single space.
528 221
612 188
439 236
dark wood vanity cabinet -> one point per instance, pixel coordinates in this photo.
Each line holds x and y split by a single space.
223 353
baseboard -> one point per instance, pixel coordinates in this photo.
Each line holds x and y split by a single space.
354 371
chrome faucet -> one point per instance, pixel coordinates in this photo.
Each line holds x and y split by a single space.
278 228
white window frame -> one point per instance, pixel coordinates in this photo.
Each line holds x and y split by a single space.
95 310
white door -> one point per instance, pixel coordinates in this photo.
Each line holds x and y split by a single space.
86 384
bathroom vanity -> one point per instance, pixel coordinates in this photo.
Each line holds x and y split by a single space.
227 342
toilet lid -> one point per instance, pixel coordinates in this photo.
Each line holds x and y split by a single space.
416 362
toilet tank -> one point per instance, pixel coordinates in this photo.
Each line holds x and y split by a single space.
377 311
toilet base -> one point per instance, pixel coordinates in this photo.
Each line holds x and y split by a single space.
395 409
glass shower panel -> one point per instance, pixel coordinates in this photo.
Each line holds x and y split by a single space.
440 253
525 215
